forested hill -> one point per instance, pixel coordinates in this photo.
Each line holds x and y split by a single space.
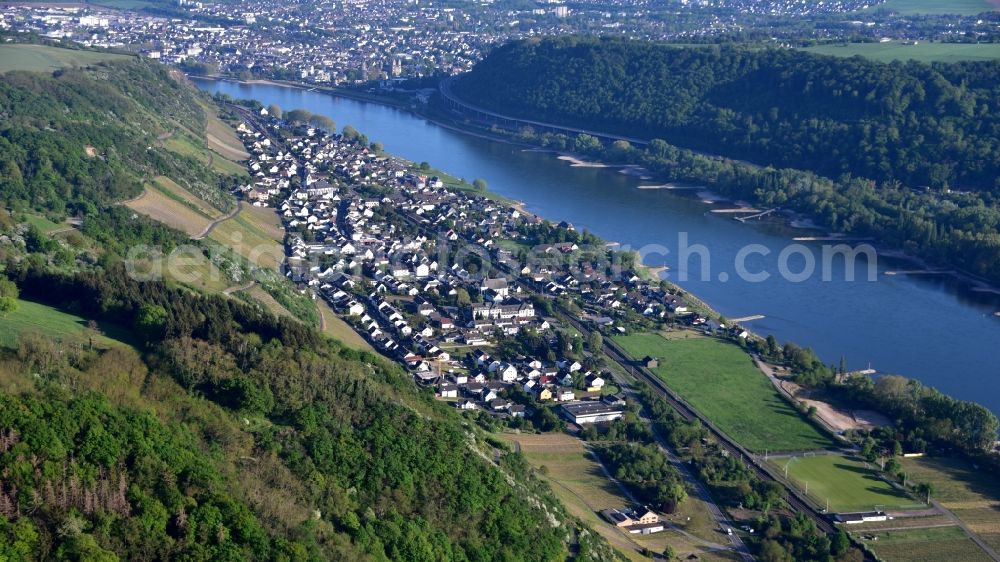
209 429
923 125
81 138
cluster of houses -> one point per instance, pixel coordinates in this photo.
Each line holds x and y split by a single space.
383 41
382 243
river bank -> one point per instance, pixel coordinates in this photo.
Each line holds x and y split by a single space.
898 324
973 282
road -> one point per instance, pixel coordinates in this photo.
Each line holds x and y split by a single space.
445 89
734 539
713 508
794 499
975 538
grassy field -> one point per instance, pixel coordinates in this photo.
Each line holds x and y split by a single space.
959 7
41 58
923 52
123 4
926 545
43 224
340 330
31 317
222 138
170 210
197 272
247 238
721 381
261 296
184 145
845 482
266 220
169 188
580 484
973 496
218 145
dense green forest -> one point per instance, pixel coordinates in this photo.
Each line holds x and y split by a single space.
877 157
236 435
920 124
217 431
81 139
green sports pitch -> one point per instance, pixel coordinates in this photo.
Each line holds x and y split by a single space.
720 380
846 483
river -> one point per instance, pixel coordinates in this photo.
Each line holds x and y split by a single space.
923 326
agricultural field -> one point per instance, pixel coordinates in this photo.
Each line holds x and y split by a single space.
171 210
32 317
720 380
338 329
41 58
245 235
846 482
197 272
124 4
973 496
936 7
168 187
266 220
924 545
265 299
222 138
581 485
923 52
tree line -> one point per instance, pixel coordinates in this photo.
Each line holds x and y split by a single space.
905 153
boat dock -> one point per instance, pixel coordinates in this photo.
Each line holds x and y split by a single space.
758 215
736 210
748 318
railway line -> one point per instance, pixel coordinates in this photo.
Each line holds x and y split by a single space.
793 498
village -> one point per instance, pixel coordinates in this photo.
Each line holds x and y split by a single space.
450 282
502 315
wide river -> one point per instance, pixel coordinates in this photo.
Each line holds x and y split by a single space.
923 326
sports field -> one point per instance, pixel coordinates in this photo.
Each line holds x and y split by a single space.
925 545
53 323
41 58
923 52
934 7
720 381
972 495
846 482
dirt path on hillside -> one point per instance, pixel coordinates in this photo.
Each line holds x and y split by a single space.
211 226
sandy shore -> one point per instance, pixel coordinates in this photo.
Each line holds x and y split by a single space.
577 163
670 186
